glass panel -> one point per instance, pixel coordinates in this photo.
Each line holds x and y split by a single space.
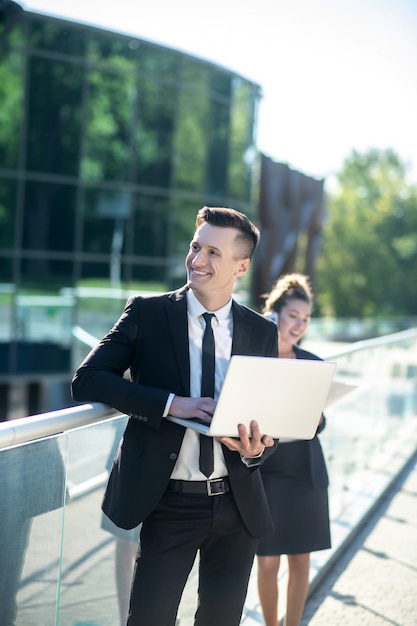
44 274
150 275
11 109
49 221
371 431
148 239
159 63
32 494
150 226
7 218
195 76
184 226
242 149
109 127
115 51
385 398
191 130
91 543
155 132
57 37
44 316
6 311
218 150
53 134
220 83
12 29
46 320
105 217
96 273
98 308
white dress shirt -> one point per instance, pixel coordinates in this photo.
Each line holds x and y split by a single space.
187 465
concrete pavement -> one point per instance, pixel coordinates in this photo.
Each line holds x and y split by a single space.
374 581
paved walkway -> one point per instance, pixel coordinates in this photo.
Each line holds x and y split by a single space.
374 582
371 578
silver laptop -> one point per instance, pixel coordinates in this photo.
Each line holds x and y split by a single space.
285 396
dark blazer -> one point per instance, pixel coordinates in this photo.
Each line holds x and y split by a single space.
151 338
318 470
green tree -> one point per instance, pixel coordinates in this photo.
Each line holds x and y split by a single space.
368 263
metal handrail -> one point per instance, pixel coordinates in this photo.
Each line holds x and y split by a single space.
25 429
85 337
366 344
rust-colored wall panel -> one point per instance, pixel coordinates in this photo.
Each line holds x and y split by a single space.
290 204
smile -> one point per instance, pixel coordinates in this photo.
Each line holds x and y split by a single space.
199 272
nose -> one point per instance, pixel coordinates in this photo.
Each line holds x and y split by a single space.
199 258
301 323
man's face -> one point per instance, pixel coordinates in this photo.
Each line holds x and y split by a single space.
212 263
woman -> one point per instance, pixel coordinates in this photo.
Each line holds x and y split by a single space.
295 477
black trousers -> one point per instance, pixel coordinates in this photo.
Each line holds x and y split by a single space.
181 525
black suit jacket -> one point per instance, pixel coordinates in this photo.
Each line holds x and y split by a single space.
151 338
317 463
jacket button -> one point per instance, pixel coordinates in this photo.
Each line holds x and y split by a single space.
145 418
173 456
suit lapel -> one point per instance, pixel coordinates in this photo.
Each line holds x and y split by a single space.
241 330
176 311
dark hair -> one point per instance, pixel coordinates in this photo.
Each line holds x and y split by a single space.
288 287
230 218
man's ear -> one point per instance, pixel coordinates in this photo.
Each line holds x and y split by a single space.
243 267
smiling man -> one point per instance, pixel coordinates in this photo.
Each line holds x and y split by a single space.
157 477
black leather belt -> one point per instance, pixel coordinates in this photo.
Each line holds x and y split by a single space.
214 487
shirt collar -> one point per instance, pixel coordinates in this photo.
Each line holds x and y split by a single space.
195 308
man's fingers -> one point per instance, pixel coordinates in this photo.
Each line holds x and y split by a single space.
249 443
267 441
243 434
255 432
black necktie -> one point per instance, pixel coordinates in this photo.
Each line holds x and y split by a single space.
207 389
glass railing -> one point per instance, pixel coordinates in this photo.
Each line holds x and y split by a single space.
51 540
63 564
371 433
369 437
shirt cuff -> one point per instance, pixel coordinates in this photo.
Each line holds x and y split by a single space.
168 404
252 461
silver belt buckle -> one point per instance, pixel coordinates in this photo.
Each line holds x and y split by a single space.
210 491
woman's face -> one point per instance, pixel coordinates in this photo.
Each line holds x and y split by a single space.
293 321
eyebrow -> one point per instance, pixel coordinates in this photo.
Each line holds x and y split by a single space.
207 245
296 311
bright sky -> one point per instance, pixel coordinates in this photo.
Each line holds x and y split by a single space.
335 74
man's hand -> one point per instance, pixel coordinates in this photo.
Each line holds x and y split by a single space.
202 408
248 446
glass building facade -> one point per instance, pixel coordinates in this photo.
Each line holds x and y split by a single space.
108 147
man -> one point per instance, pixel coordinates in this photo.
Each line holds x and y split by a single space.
156 477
